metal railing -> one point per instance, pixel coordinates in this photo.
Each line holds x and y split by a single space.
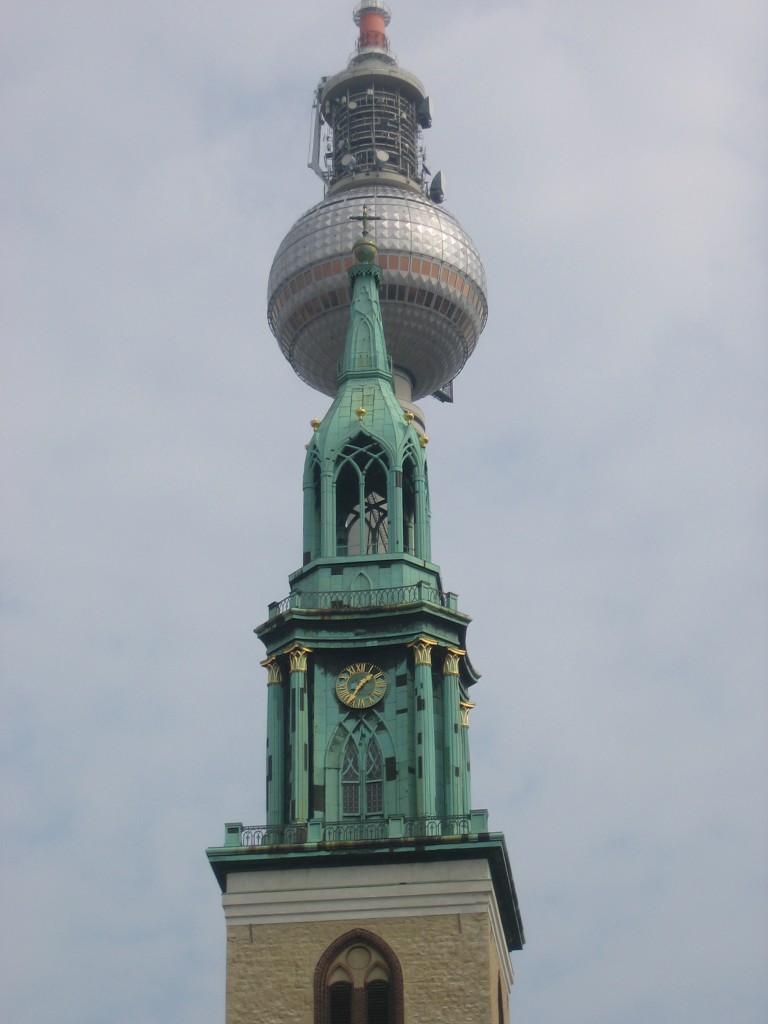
353 830
273 835
454 825
381 597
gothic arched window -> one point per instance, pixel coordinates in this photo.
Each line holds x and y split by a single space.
362 505
409 507
362 779
358 980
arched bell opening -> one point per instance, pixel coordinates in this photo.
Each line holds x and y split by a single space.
362 501
409 507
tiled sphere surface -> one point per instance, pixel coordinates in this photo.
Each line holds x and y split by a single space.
433 297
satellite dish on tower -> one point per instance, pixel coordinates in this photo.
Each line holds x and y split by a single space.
381 158
348 162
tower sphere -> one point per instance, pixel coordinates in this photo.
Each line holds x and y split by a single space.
366 148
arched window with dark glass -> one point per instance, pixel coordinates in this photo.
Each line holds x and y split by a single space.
340 1002
358 980
362 503
377 999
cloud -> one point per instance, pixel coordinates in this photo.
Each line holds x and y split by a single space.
598 489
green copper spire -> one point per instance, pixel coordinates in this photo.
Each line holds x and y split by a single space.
365 352
365 476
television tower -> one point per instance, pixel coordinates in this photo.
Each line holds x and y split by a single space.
367 149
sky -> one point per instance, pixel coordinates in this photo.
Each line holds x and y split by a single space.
598 488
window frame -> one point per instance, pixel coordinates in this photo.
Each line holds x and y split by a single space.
358 936
362 501
365 794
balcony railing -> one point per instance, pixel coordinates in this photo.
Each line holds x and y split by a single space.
353 830
381 597
273 835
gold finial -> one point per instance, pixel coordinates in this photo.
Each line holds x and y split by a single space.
409 417
315 423
423 440
360 412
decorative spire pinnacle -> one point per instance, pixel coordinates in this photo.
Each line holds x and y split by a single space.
365 352
365 249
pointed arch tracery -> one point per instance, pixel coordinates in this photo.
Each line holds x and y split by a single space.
358 980
362 777
362 499
359 782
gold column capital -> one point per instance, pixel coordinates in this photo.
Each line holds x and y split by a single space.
297 653
274 672
451 663
465 706
422 650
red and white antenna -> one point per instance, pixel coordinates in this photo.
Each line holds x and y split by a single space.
372 18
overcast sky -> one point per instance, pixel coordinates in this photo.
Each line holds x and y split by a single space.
599 486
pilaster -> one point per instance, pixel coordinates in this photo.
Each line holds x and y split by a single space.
298 809
426 782
423 545
453 760
327 515
465 706
275 741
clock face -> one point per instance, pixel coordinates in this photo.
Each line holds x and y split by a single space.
361 685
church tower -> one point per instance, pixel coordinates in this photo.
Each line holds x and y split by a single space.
374 893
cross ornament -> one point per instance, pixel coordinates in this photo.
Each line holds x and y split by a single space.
365 217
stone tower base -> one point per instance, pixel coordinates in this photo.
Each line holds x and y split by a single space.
439 920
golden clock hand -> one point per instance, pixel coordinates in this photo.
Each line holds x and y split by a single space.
361 684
